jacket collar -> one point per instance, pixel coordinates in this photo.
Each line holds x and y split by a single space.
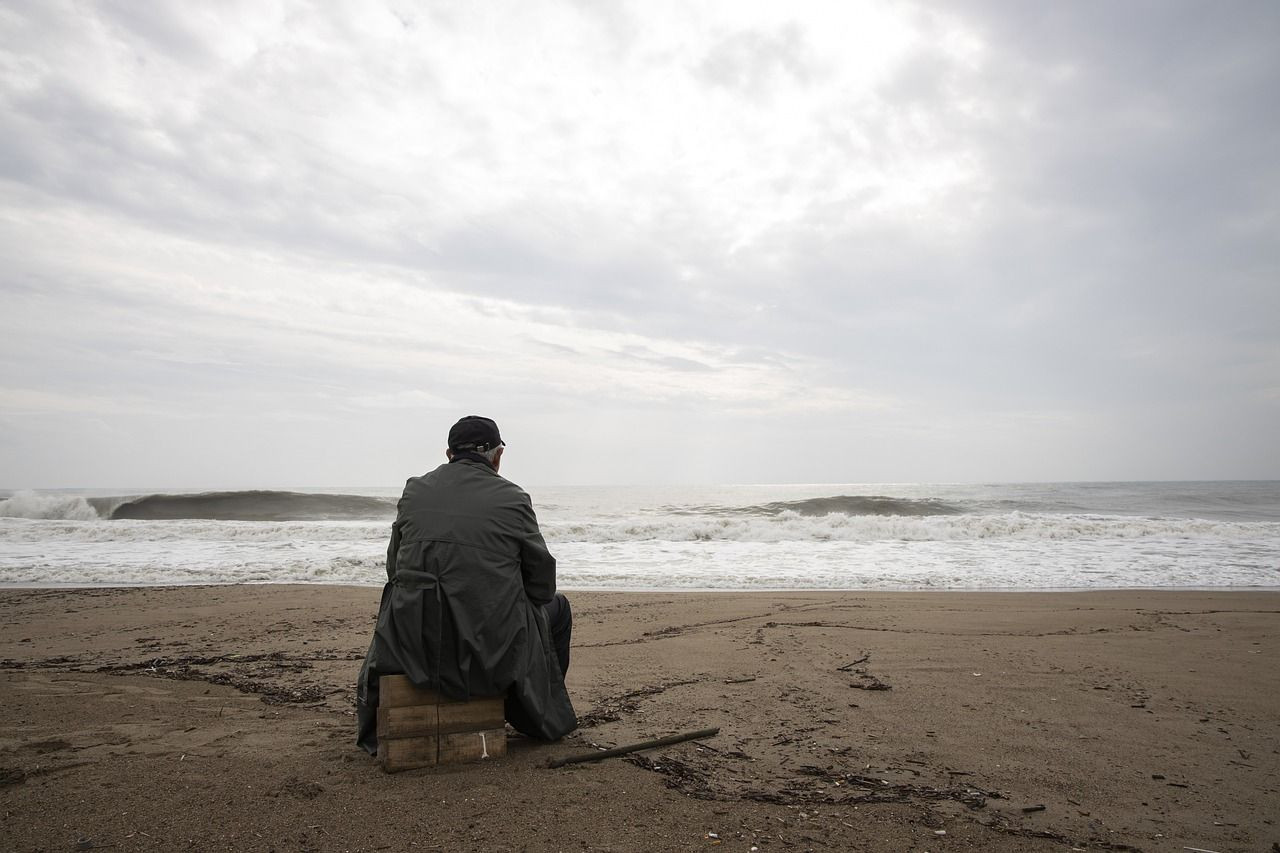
468 456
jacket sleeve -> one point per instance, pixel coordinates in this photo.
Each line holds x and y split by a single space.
392 548
537 566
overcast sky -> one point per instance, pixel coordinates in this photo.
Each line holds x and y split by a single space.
270 244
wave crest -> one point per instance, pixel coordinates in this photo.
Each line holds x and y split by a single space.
32 505
263 505
252 506
859 505
790 526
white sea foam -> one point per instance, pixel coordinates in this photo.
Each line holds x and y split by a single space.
32 505
785 527
67 532
726 538
792 527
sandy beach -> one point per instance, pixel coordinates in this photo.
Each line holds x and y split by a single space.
220 718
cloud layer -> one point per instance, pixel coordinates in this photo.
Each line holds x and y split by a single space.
287 244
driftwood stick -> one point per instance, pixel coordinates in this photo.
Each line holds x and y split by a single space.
635 747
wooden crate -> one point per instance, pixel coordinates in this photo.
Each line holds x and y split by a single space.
420 728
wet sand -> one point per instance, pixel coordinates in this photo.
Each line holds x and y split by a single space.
220 718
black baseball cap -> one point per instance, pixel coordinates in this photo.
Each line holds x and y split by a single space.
475 433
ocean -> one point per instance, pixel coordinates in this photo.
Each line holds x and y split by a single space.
767 537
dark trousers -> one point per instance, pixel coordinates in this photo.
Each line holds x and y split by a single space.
560 620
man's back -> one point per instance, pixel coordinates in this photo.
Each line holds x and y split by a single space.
468 573
462 519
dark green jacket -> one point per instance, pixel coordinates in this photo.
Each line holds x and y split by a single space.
467 574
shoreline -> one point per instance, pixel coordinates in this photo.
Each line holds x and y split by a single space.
915 719
995 590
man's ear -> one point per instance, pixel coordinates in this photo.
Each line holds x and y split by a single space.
497 457
448 454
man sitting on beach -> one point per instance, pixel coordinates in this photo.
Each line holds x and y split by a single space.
470 607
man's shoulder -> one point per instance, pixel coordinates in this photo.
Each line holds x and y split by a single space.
414 483
464 476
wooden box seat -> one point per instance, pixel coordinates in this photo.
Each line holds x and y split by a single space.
420 728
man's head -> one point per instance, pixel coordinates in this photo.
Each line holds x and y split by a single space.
475 434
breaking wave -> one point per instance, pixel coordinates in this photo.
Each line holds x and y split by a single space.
267 505
858 505
1013 536
790 526
252 506
32 505
260 505
852 505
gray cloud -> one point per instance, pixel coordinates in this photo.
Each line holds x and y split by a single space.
748 60
1029 219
